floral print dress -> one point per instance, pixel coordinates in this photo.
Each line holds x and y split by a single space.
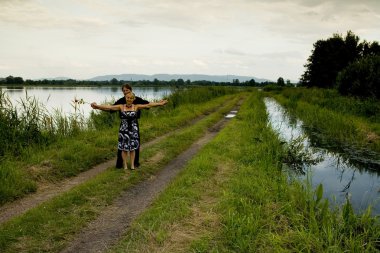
129 131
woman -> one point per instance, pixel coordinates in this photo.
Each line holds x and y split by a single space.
127 88
128 132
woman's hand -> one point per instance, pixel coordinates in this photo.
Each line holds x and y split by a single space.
163 102
94 105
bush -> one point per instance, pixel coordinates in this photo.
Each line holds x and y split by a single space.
361 78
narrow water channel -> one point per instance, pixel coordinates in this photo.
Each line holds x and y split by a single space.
340 173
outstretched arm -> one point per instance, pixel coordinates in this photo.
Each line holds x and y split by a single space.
152 104
106 107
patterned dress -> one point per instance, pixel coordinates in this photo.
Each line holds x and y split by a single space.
129 131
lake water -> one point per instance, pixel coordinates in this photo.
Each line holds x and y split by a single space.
341 174
61 98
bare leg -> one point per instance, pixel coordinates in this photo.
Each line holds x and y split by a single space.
132 154
124 154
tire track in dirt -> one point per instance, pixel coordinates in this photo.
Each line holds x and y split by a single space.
107 229
20 206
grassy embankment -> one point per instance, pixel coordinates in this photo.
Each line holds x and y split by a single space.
233 197
344 120
52 224
41 147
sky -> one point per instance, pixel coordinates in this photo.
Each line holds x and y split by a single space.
81 39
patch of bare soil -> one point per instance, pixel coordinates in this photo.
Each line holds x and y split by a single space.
107 229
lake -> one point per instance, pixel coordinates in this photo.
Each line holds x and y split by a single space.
61 98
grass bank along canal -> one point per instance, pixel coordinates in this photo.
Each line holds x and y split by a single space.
353 175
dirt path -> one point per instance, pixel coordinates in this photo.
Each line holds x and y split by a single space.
107 229
18 207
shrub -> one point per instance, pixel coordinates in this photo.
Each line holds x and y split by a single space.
361 78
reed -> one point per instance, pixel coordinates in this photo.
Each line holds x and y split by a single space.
29 124
340 121
332 100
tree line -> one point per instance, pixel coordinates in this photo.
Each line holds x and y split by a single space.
11 80
344 63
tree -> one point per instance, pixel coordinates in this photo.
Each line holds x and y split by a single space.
328 58
180 82
156 82
9 80
370 48
14 80
280 81
252 82
114 81
361 78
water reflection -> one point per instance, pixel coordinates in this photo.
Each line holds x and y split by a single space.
343 174
61 98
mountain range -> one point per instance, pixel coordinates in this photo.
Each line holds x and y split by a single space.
168 77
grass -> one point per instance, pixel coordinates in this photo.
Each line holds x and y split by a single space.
236 199
69 154
336 119
51 225
232 197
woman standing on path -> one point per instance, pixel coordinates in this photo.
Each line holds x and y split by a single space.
128 132
127 88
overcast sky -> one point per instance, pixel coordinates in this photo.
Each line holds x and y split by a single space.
81 39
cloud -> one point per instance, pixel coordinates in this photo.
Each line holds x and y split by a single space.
243 36
34 14
231 51
4 67
200 63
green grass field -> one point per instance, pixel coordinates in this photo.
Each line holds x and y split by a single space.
231 197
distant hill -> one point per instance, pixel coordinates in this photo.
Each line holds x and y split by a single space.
59 78
168 77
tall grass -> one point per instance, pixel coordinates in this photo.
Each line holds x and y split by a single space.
339 121
71 144
197 95
25 127
30 124
20 127
332 100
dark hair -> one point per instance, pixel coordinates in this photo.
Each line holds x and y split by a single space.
126 85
